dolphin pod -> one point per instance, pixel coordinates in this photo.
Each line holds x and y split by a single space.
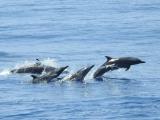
52 73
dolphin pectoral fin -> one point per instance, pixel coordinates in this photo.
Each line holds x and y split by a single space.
108 68
127 68
111 67
34 76
114 68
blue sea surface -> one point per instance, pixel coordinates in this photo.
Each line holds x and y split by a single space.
80 33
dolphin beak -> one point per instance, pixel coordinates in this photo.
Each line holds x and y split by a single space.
91 67
66 67
86 70
63 68
143 62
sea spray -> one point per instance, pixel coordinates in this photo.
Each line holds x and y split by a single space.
5 72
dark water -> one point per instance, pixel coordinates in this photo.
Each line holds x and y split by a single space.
80 33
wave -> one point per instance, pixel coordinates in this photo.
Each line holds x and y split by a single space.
5 72
4 54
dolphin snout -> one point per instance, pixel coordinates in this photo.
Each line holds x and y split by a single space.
65 67
143 62
87 69
92 66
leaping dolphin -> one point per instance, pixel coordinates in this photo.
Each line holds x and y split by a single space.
33 69
122 62
48 77
36 68
80 74
116 63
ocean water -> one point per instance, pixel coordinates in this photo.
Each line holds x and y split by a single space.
80 33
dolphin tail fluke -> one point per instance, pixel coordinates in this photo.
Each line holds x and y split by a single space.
34 76
108 58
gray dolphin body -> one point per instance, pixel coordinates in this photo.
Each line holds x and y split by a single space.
100 71
33 69
49 77
116 63
36 68
80 74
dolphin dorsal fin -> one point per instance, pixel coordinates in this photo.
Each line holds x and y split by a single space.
108 58
34 76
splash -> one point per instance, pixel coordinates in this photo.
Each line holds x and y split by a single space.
89 77
50 62
46 62
24 64
4 72
68 76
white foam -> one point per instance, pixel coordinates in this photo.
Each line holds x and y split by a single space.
47 62
68 76
89 76
24 64
50 62
4 72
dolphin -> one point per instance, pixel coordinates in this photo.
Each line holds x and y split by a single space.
122 62
116 63
100 71
33 69
36 68
48 77
80 74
